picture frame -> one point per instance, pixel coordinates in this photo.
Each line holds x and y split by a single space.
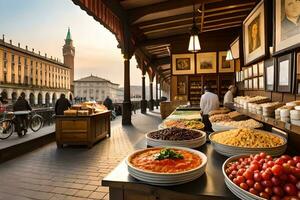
286 32
284 73
242 76
261 83
224 65
261 69
245 70
206 63
254 35
235 48
183 64
269 74
255 70
182 82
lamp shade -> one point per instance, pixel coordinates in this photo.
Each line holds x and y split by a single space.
194 44
229 55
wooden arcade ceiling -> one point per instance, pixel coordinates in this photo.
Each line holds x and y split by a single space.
156 23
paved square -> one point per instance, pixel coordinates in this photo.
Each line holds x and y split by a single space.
73 173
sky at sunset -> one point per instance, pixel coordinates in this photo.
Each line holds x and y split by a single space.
43 24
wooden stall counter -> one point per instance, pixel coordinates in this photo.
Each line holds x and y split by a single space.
82 130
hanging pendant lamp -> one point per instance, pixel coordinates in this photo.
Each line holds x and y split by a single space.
194 44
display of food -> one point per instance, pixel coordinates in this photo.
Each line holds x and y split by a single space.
168 160
175 134
268 109
166 165
220 118
219 111
85 109
250 138
185 114
181 123
262 177
176 137
250 123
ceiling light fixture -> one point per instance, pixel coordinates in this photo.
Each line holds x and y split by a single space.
194 44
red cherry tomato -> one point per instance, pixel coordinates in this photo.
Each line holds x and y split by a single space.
292 178
248 174
257 176
296 159
253 191
286 157
258 187
240 179
266 176
250 182
266 183
291 162
264 195
275 198
279 161
262 155
275 180
270 163
268 190
278 191
298 165
277 170
244 186
290 189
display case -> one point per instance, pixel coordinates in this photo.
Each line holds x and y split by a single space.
195 89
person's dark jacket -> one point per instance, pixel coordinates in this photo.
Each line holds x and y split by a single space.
108 104
61 105
21 105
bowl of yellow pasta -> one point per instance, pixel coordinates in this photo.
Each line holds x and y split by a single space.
248 141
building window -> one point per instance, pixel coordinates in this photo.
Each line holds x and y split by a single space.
5 77
13 78
19 68
31 81
36 81
26 79
13 58
31 63
19 79
4 56
19 60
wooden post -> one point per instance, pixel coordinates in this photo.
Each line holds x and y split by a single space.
156 92
151 107
126 112
143 101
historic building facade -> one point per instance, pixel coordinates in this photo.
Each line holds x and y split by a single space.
41 78
96 88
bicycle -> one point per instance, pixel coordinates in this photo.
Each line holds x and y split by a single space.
7 126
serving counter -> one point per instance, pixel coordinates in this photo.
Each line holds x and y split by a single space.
209 186
82 130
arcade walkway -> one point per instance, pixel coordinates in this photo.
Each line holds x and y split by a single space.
73 173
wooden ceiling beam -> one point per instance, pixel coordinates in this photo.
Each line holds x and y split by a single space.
153 47
221 28
228 4
225 24
136 13
162 40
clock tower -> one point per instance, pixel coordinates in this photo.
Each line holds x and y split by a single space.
69 53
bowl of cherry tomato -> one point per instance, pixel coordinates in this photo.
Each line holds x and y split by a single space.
260 176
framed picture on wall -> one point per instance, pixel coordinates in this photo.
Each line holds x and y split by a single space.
206 63
269 75
255 70
245 70
286 25
183 64
261 69
242 75
254 37
255 83
284 73
261 83
225 65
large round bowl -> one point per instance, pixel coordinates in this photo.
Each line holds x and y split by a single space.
236 190
167 179
219 127
193 143
228 150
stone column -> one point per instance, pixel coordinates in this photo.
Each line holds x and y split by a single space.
143 101
126 111
156 93
151 103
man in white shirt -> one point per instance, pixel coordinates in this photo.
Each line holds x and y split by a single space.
228 97
208 102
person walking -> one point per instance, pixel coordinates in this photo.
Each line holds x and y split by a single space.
208 102
61 105
21 110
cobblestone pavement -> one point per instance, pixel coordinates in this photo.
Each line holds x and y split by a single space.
73 173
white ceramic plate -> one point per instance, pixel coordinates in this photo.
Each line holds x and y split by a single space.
167 179
227 150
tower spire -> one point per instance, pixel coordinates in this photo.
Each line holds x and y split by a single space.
69 34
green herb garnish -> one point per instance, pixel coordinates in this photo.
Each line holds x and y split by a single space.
168 154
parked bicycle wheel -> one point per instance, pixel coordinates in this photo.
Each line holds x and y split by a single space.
36 123
6 129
